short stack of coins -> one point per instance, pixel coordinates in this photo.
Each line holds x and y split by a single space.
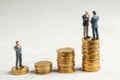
43 67
20 70
91 56
65 60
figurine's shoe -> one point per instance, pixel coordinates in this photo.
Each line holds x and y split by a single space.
16 68
21 66
93 39
88 36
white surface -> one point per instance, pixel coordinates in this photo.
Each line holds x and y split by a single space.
43 26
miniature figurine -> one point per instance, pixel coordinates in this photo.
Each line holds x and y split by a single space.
19 70
94 24
18 50
85 18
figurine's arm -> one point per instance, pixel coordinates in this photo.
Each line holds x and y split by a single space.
20 49
85 18
88 17
91 20
16 49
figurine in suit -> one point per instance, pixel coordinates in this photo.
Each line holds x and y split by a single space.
18 50
85 18
94 24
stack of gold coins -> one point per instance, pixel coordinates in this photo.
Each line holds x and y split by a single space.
91 57
19 71
65 60
43 67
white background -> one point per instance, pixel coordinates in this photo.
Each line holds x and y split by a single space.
42 26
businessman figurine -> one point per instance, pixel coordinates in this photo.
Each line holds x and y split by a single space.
94 24
18 50
85 18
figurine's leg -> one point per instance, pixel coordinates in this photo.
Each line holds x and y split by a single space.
93 32
87 31
16 61
20 61
97 34
84 31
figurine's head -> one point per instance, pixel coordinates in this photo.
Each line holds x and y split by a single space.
86 12
94 12
17 43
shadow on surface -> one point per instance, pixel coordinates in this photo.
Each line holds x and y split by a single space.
9 73
32 72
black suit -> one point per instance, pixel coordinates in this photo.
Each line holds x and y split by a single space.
85 25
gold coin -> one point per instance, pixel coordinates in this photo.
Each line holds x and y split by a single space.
85 40
65 50
90 53
20 71
91 69
43 68
69 64
65 63
43 63
64 53
65 58
42 72
90 65
65 67
66 70
90 50
90 61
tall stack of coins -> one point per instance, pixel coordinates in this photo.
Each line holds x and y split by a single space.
43 67
20 70
91 57
65 60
